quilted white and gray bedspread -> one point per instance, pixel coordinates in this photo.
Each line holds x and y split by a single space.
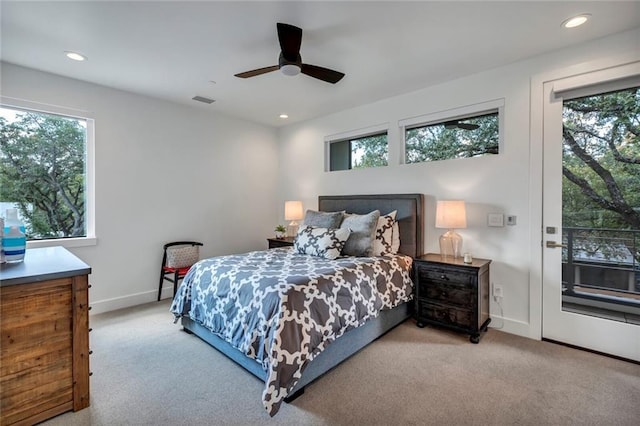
282 308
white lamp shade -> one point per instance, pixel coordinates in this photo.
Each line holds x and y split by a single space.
451 214
293 210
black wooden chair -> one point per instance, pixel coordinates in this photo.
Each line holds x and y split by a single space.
177 258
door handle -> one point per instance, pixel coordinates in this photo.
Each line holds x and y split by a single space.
553 244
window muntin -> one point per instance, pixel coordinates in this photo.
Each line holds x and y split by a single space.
44 173
462 137
359 152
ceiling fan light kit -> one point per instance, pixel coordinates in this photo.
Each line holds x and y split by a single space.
290 70
290 62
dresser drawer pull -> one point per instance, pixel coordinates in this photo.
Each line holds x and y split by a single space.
89 286
444 277
444 295
91 373
90 307
90 330
90 352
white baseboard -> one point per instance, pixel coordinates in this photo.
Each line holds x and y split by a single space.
507 325
107 305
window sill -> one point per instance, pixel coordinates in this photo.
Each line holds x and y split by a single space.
64 242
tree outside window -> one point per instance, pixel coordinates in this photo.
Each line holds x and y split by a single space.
601 171
461 138
43 173
359 153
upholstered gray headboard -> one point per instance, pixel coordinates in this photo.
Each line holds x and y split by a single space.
410 209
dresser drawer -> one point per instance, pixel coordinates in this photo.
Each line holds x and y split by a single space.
449 293
441 275
447 315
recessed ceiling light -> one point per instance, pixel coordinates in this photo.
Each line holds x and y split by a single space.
576 21
75 56
284 116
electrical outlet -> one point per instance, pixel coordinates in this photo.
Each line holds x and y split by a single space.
497 291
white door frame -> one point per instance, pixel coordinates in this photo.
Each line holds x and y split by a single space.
536 169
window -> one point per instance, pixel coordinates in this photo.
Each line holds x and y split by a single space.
45 159
460 138
358 151
461 133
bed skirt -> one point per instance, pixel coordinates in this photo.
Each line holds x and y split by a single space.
339 350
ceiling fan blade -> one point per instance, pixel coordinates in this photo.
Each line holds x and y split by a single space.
259 71
290 39
468 126
324 74
455 124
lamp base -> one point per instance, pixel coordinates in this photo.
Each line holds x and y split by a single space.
292 229
450 245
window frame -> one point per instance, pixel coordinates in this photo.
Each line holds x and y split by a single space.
440 117
380 129
90 239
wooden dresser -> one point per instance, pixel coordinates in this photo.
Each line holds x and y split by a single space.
44 321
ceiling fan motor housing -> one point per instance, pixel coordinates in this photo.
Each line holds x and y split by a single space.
288 67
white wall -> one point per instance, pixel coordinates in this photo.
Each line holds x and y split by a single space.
502 183
164 172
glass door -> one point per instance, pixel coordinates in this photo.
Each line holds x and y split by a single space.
591 214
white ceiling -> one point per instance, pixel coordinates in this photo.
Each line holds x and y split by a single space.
173 50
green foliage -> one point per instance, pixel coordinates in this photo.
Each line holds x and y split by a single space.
601 172
437 142
371 151
601 161
42 170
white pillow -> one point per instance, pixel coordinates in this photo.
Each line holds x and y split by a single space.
321 242
395 241
383 243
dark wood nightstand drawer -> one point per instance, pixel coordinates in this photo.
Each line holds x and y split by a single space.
447 315
445 276
449 292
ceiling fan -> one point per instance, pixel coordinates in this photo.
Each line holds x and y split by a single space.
290 62
457 124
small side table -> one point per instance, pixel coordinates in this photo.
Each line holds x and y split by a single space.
452 294
280 242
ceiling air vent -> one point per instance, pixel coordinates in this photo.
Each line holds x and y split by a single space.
203 99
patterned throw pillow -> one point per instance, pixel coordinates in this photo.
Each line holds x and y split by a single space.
363 232
383 244
182 256
321 242
323 219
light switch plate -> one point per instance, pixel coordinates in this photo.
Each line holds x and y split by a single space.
495 219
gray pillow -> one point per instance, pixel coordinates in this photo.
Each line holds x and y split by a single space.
323 219
363 232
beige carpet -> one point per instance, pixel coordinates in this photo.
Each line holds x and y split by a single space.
148 372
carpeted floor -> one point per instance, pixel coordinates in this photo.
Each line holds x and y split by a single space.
148 372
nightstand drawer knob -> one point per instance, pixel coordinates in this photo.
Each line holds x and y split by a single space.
444 277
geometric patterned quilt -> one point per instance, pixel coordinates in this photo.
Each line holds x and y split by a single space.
282 309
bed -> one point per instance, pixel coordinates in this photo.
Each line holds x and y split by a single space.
382 300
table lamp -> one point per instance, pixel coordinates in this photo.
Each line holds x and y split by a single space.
451 214
293 212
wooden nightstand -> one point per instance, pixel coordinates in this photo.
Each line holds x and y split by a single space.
280 242
452 294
